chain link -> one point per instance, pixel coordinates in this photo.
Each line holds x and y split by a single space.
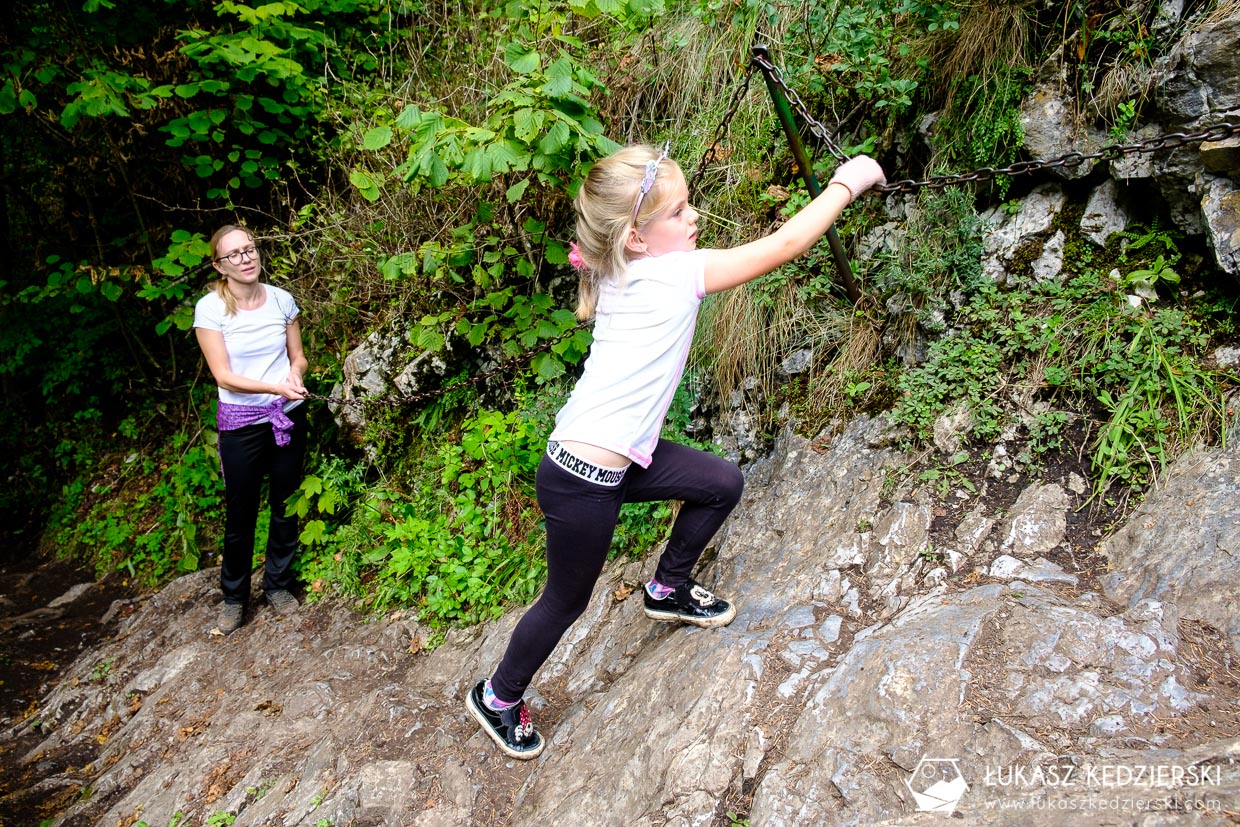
815 127
1111 152
741 90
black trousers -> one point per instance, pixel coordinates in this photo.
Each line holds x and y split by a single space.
247 456
581 519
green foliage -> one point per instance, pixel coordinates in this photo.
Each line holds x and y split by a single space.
987 131
139 508
462 538
503 316
459 545
539 128
940 252
861 50
1110 343
102 669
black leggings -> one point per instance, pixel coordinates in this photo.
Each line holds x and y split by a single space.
581 518
247 455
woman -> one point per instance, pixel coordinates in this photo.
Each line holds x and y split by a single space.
251 338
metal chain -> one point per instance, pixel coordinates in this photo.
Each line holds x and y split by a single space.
741 90
1110 152
815 127
434 393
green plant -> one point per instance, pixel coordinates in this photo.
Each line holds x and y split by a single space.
221 819
146 519
855 389
945 479
1127 116
1083 342
1046 432
102 669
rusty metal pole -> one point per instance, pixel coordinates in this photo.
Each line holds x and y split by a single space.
784 112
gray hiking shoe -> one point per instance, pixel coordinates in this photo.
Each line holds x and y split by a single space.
231 618
283 602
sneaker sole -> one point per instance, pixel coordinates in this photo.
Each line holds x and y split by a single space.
701 622
481 718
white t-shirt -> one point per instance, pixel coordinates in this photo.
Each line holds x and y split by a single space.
642 334
256 340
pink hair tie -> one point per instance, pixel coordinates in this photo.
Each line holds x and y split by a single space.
574 257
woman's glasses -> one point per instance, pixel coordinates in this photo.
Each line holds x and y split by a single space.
238 256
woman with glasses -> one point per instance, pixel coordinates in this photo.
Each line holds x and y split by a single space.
251 338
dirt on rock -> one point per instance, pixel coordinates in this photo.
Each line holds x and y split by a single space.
50 612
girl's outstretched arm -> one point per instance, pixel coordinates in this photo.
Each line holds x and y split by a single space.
729 268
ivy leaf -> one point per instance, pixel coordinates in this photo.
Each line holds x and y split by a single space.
365 183
555 139
329 501
377 138
314 532
517 190
521 59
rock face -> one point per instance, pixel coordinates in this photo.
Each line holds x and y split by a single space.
879 639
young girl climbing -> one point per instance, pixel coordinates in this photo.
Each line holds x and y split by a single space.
642 280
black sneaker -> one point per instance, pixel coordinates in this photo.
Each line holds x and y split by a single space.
690 603
511 729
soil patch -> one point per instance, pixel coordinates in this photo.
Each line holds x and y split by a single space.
40 637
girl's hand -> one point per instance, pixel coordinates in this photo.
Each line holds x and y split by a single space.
858 175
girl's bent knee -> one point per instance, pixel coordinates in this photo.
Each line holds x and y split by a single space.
731 486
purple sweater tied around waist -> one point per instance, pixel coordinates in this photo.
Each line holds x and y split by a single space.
231 417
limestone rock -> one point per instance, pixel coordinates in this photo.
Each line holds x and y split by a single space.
1180 546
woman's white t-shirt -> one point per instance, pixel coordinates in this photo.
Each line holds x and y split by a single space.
256 340
642 333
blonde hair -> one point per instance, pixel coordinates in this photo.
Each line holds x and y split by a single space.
604 207
221 284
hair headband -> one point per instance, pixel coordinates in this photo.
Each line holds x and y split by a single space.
652 169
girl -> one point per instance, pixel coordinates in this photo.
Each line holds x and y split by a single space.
251 338
642 280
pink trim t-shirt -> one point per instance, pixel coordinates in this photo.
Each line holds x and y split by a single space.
642 332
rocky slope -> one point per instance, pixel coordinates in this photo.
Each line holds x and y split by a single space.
891 637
